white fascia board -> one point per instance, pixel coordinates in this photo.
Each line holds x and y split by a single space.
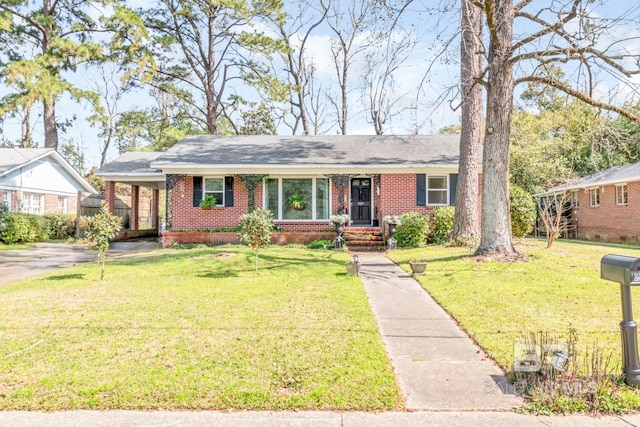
588 185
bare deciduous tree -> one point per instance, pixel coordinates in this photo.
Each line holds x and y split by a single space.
551 210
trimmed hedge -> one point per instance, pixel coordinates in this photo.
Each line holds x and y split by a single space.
29 228
413 230
442 223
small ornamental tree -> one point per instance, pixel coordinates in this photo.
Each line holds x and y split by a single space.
100 229
256 228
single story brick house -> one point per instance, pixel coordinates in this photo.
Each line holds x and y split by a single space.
39 181
366 177
604 205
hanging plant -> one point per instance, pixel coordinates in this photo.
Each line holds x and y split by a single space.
296 202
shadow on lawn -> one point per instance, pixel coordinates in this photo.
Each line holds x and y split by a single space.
302 260
66 276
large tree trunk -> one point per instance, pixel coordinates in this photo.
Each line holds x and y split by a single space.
496 221
465 222
50 129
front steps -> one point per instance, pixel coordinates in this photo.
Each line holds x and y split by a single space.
364 239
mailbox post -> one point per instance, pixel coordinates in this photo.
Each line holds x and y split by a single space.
626 271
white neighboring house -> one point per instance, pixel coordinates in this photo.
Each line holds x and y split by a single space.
39 181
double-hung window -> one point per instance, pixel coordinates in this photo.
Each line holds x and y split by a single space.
437 189
298 198
214 187
594 197
33 203
6 198
622 196
62 204
575 199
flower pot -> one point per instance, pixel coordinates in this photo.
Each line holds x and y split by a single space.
418 267
206 208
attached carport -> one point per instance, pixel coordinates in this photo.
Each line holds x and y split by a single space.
134 169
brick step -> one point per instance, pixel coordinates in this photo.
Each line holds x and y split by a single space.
363 237
354 247
362 230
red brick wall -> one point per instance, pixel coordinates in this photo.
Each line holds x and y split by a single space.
212 239
610 222
397 196
187 217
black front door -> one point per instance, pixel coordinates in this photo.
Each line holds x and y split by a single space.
361 201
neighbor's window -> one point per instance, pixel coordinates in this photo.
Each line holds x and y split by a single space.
62 204
6 198
575 199
437 187
33 203
594 197
215 188
622 197
298 198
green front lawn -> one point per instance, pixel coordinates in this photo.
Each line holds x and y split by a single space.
192 329
556 290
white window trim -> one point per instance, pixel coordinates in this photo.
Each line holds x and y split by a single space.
619 187
65 204
591 198
204 186
28 207
6 198
446 190
575 198
314 188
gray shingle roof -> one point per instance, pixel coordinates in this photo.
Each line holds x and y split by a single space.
313 150
131 163
11 158
614 175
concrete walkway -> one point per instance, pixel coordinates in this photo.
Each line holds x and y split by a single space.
438 366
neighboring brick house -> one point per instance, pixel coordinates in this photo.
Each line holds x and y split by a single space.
39 181
366 177
605 205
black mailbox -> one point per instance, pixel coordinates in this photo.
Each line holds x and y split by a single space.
626 271
620 268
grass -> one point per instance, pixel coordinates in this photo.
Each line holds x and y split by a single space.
192 329
556 296
5 247
556 290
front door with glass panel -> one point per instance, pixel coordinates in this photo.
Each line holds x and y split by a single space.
361 201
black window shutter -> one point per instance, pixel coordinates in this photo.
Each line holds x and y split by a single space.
197 190
453 186
421 189
228 191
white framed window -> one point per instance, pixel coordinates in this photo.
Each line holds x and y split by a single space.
33 203
214 187
437 190
62 205
575 199
298 198
594 197
622 196
6 198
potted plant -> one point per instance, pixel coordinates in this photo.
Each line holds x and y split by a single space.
338 222
418 266
393 221
296 202
209 202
